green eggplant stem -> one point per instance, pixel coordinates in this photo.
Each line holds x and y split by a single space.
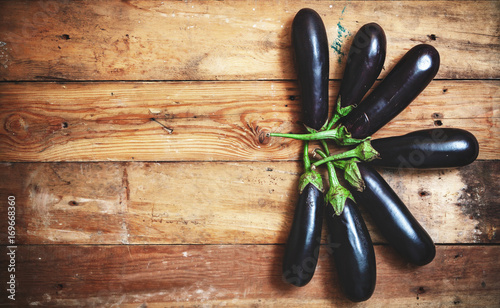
332 177
325 146
326 134
364 152
348 154
336 117
307 160
339 134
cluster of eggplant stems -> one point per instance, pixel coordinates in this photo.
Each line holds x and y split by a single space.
352 124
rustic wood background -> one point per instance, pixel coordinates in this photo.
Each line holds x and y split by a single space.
133 138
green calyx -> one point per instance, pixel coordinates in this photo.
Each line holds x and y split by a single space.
366 152
339 113
337 196
311 177
352 174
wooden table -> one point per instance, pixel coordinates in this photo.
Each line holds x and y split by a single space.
133 140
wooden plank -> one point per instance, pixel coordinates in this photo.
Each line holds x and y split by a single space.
221 203
210 120
241 275
229 40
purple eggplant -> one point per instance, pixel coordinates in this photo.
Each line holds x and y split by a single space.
430 148
302 246
399 88
393 219
352 252
364 63
311 57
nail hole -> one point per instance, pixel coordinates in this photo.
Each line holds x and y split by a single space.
73 203
64 124
432 37
65 37
292 97
438 123
445 90
423 193
437 115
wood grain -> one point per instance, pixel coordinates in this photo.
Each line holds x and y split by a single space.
241 275
210 120
229 40
221 203
132 135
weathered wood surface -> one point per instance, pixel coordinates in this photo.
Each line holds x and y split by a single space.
221 203
241 275
206 226
210 120
229 40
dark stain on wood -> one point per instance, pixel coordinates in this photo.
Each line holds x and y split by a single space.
480 197
192 68
126 186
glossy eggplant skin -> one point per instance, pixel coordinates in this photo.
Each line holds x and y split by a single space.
352 251
311 57
393 219
429 148
399 88
302 247
364 63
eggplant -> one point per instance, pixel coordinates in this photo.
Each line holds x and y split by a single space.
352 251
399 88
393 219
429 148
364 63
303 244
311 57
